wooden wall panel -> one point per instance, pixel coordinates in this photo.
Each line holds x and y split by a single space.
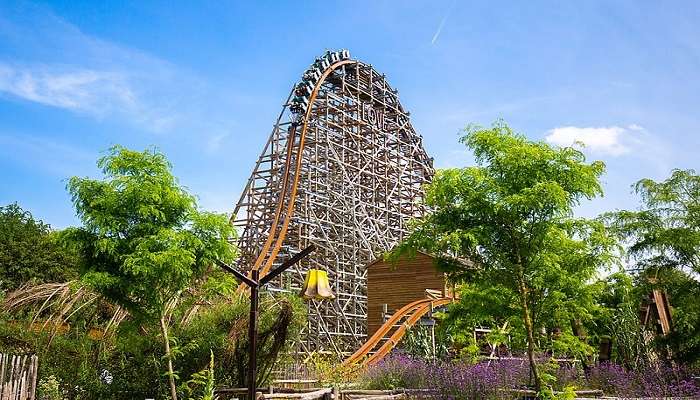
398 285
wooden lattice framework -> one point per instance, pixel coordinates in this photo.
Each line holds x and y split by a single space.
343 169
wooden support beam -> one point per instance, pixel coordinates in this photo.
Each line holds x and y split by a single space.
351 185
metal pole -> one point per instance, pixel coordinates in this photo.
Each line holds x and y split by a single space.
254 282
253 336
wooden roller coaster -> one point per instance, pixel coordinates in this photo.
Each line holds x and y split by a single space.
343 170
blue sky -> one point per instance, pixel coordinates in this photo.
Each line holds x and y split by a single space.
204 81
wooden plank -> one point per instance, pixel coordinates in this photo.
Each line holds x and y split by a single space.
302 396
23 384
3 361
663 311
381 397
11 384
20 375
25 377
17 394
366 392
16 367
33 379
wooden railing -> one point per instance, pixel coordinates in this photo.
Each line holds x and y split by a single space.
281 393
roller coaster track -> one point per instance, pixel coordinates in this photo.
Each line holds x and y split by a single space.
263 263
389 335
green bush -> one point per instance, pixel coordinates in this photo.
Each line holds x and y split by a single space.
223 330
49 389
129 364
72 360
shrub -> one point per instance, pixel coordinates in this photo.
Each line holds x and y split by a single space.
71 359
452 380
202 384
660 381
496 380
330 372
128 365
49 389
223 329
398 371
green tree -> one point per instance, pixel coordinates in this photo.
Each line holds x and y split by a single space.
143 240
665 232
512 216
29 252
663 243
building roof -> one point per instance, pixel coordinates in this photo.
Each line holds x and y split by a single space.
465 262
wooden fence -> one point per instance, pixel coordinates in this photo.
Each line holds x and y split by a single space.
335 393
18 377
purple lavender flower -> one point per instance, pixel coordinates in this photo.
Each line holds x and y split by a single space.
484 380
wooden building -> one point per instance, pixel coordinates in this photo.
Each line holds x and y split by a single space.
396 285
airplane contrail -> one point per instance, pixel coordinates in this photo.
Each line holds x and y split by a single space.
439 29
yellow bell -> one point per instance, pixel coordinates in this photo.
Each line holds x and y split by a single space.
323 287
308 291
316 286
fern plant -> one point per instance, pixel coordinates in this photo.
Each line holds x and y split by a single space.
201 385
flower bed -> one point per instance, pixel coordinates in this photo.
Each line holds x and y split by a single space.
663 381
497 380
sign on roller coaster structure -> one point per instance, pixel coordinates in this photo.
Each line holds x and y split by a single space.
343 169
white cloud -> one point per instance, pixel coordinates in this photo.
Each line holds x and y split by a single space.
49 61
442 24
611 140
83 90
632 141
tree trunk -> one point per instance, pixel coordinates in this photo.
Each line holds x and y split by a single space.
527 320
171 373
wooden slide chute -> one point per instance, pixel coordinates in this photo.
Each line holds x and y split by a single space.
388 335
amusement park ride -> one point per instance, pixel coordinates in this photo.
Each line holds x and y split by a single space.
343 170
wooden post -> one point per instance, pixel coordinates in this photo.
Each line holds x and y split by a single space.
15 361
254 283
35 369
253 336
3 359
